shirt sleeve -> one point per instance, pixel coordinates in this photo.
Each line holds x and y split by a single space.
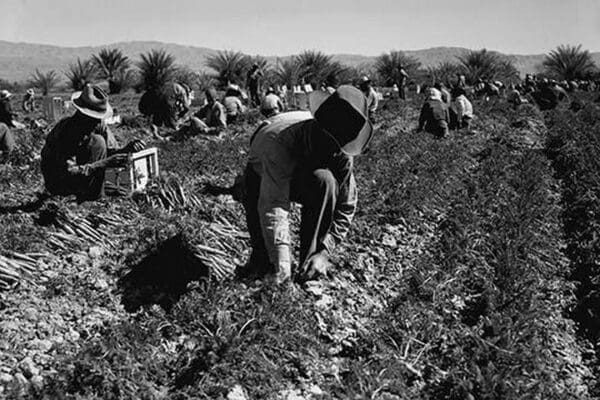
343 215
374 101
274 203
222 117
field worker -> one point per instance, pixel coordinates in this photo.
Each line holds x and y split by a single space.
271 104
371 95
549 95
7 139
80 147
461 110
446 96
7 143
210 119
233 103
167 105
513 96
402 78
461 80
434 115
29 100
530 85
305 157
253 83
7 116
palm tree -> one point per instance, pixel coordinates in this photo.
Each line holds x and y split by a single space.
205 81
445 72
123 79
568 62
110 64
388 66
287 72
483 64
44 81
81 73
352 75
185 74
231 66
157 67
317 67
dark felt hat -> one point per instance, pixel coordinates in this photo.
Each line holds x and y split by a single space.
343 115
93 102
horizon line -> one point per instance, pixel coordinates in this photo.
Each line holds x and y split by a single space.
108 45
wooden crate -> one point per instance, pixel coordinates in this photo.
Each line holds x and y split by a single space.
135 176
54 108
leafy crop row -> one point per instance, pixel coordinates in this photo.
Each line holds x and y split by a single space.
574 148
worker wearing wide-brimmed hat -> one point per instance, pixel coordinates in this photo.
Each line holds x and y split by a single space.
304 157
80 147
28 100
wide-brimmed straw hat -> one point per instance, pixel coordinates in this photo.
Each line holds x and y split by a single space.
5 94
343 115
93 102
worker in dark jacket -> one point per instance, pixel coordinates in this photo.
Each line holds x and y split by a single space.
167 105
549 95
307 158
7 140
80 147
434 115
253 83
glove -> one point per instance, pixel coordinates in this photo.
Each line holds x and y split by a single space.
316 265
114 161
134 146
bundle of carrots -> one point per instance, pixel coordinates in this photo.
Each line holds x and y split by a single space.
73 231
169 195
218 247
16 268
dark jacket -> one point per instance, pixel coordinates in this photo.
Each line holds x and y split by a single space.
6 113
434 116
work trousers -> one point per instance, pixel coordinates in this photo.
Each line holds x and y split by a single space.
254 96
402 92
59 181
317 191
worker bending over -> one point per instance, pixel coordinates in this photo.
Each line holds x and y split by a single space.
305 158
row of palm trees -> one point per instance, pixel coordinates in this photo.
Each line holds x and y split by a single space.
157 67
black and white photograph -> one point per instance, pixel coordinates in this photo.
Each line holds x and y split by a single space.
300 200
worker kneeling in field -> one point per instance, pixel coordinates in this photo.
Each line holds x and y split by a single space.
7 140
211 119
80 147
166 105
295 157
233 103
271 104
434 115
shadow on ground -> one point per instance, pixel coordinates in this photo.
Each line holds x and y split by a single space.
162 276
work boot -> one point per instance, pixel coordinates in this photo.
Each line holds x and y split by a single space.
255 268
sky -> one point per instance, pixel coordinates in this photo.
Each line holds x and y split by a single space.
269 27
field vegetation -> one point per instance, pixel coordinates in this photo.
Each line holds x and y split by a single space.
471 270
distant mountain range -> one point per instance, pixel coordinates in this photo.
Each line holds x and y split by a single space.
19 60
